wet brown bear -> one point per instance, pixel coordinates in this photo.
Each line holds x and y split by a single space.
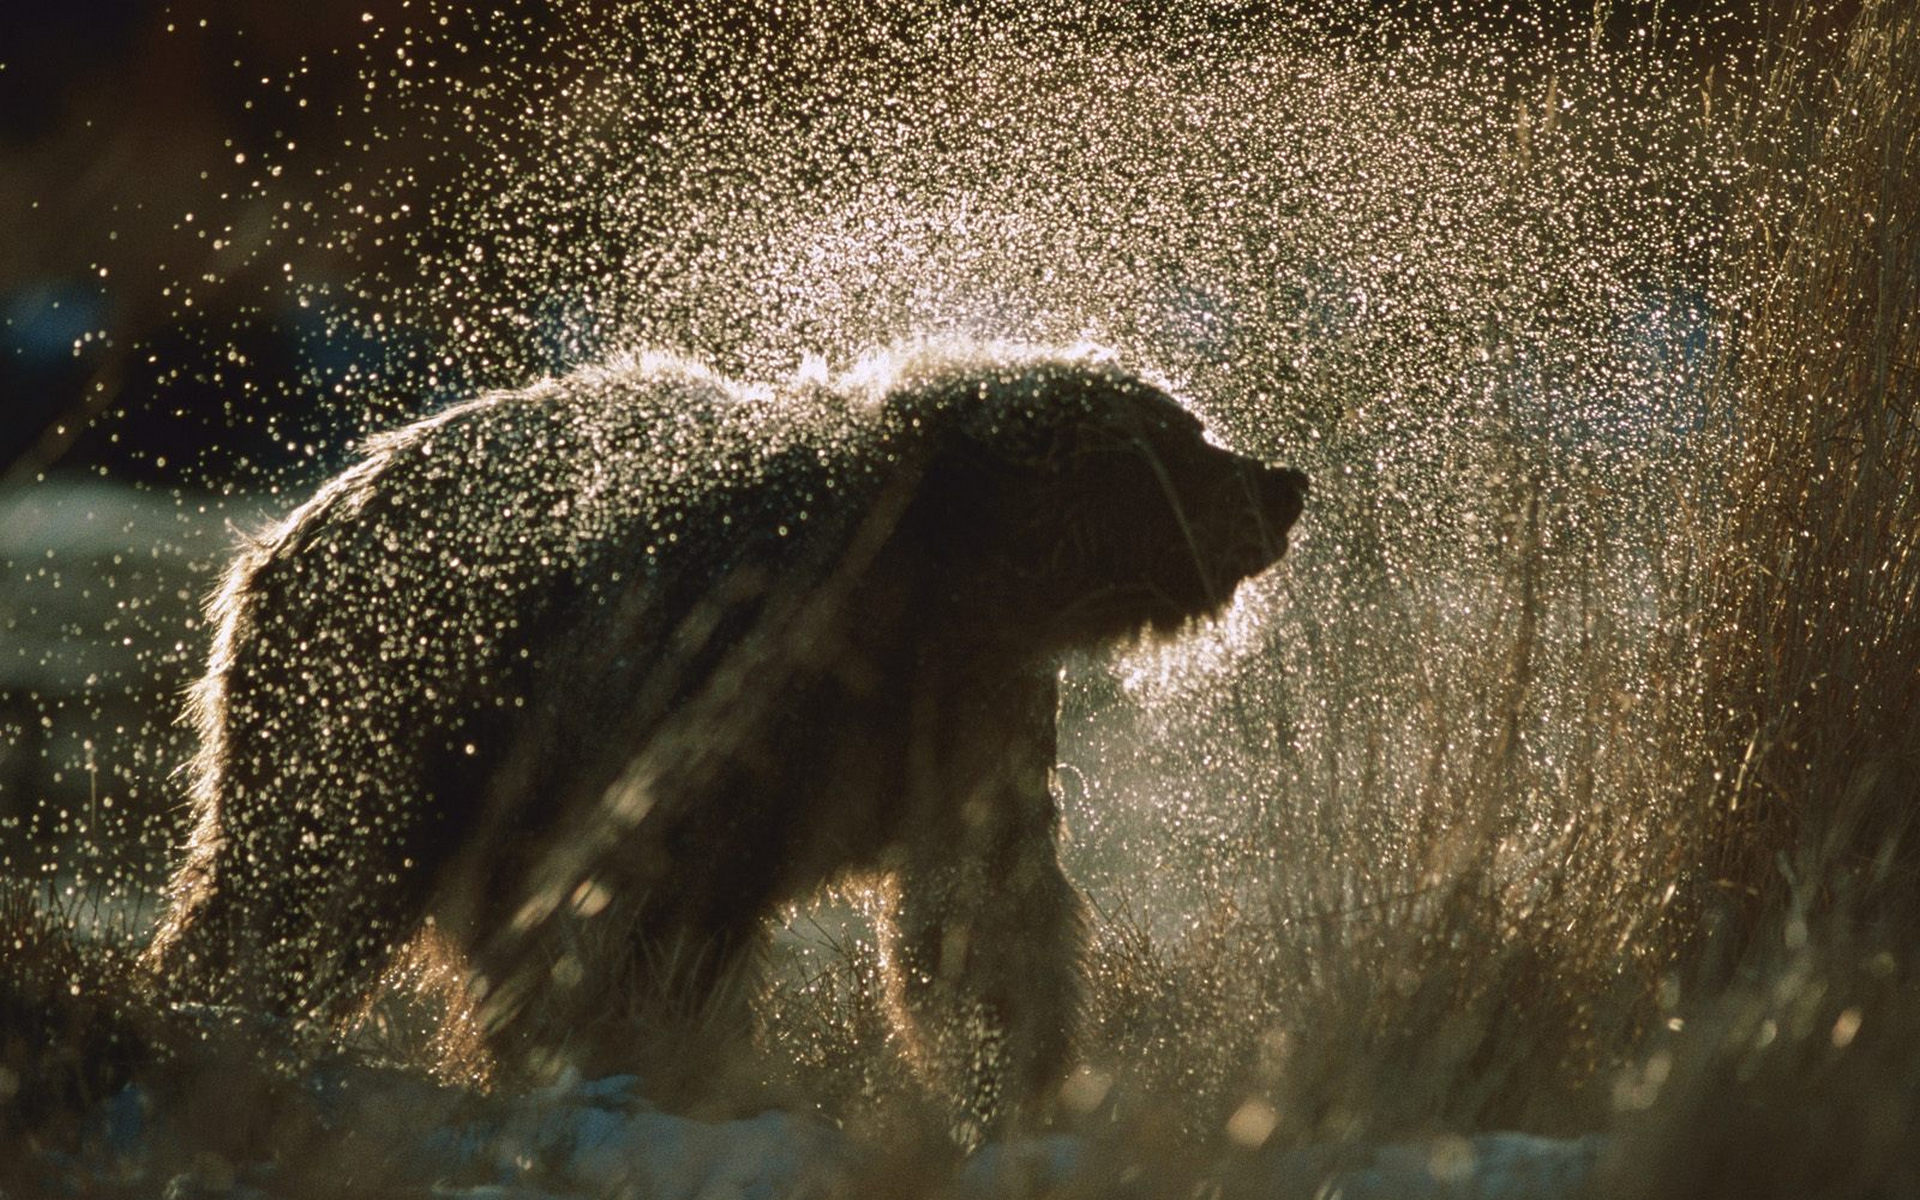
596 675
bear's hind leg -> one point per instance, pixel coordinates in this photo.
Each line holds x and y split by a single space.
274 915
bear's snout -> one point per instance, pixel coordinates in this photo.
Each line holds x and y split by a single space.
1254 511
1283 494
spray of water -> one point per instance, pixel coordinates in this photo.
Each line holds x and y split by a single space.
1462 281
1461 284
1458 282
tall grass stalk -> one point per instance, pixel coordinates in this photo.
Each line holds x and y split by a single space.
1812 664
1796 1073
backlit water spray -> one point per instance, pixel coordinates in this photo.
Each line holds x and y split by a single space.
1460 280
1460 283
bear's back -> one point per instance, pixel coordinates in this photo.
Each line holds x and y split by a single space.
462 547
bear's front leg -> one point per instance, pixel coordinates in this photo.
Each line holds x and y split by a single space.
984 942
983 964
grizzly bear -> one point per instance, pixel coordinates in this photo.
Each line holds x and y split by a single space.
593 677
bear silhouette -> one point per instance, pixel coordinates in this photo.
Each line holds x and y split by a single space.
592 677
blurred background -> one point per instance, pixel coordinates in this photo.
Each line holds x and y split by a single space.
229 225
158 321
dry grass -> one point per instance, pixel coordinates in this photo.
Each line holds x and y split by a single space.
68 1039
1802 1077
1812 643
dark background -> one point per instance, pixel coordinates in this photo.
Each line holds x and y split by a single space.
151 329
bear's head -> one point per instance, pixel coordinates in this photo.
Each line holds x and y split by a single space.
1077 503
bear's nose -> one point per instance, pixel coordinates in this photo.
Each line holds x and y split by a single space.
1283 493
